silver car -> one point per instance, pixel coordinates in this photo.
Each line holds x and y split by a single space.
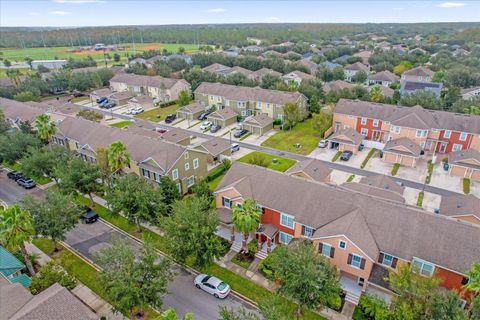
212 285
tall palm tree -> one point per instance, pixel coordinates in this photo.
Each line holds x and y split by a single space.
16 227
118 156
246 218
45 127
375 94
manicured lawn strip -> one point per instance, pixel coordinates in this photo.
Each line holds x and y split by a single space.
336 156
303 133
282 165
46 245
245 136
466 185
395 168
237 261
369 155
120 124
350 178
214 183
420 199
158 114
428 178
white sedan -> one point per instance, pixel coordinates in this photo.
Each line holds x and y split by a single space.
206 125
212 285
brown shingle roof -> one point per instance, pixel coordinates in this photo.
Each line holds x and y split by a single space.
460 205
145 81
419 71
383 182
313 168
413 149
216 146
223 114
336 85
19 110
193 107
264 71
300 74
351 136
463 155
357 66
384 76
259 120
374 191
238 93
402 231
175 135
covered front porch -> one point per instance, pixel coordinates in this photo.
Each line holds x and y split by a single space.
266 234
352 287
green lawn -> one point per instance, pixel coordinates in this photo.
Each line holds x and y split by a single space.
303 133
282 164
121 124
158 114
79 99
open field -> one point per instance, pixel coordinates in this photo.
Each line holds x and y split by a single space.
19 54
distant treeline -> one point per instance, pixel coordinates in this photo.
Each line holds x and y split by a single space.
223 34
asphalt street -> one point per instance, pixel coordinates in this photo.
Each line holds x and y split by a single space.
294 156
88 239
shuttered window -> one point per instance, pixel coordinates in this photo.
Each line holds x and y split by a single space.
326 249
356 261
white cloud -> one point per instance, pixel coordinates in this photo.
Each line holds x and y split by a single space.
78 1
398 8
216 10
451 5
272 19
60 13
33 14
420 5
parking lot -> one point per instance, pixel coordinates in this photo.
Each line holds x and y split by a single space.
11 192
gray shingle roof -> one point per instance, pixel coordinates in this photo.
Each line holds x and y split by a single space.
19 110
463 155
384 182
313 168
419 71
259 120
351 136
374 191
357 66
337 85
223 114
413 149
216 146
145 81
460 205
384 76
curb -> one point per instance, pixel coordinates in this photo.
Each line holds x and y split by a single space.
184 267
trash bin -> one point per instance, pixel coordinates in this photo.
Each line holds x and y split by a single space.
361 147
445 166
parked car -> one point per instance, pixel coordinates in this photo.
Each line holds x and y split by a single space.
203 115
129 111
346 155
240 133
101 100
323 144
77 94
215 128
89 216
103 103
14 175
206 125
212 285
170 118
137 110
161 130
27 183
234 147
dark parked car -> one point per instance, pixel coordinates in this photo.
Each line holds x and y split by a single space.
215 128
203 115
101 100
27 183
170 118
77 94
240 133
110 105
346 155
89 216
14 175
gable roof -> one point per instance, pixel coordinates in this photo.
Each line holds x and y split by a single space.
9 264
19 110
383 181
215 146
348 136
299 74
216 68
419 71
12 297
223 114
193 107
357 66
259 120
337 85
145 81
315 169
399 230
463 155
175 135
265 71
239 93
409 85
460 205
396 146
384 76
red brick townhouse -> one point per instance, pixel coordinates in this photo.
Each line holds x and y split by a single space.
364 236
432 131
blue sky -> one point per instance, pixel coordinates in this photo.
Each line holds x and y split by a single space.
122 12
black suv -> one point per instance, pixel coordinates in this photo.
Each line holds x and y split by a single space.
170 118
89 216
14 175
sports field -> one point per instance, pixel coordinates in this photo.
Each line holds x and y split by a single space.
19 54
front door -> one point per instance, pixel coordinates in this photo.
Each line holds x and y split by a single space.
443 147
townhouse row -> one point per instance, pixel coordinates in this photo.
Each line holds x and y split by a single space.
150 157
405 133
365 236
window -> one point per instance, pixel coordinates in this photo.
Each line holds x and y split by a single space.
356 261
326 250
145 173
195 163
447 134
342 244
156 176
375 122
280 117
287 220
307 231
268 105
187 166
364 132
190 181
179 187
396 129
285 238
387 260
422 267
364 121
463 136
77 145
418 133
227 203
175 174
186 155
457 147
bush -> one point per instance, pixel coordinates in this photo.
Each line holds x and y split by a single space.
336 156
369 155
167 104
445 159
420 199
430 172
267 267
395 168
48 275
277 122
258 160
214 175
350 178
253 247
466 185
226 164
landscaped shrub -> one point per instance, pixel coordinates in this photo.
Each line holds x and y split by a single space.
395 168
215 174
350 178
48 275
371 307
420 199
466 185
430 172
267 267
277 122
258 160
336 156
167 104
253 247
369 155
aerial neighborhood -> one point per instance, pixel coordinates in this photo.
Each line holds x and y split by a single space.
257 168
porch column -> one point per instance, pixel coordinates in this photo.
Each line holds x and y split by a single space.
269 245
232 236
259 246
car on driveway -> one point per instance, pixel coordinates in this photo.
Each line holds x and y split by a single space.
137 110
346 155
203 115
206 125
170 118
323 144
27 183
234 147
14 175
215 128
212 285
240 133
89 216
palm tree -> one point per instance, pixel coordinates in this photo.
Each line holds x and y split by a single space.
118 156
375 94
45 127
246 218
16 227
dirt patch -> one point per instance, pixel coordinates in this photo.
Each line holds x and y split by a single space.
152 48
88 52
